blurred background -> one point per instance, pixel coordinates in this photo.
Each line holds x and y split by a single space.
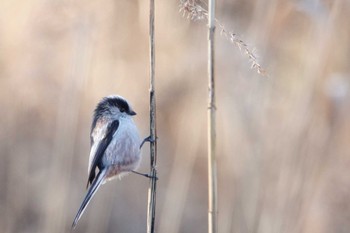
283 140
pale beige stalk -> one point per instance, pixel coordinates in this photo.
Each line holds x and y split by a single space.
212 173
151 208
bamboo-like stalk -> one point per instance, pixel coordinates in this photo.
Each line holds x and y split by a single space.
151 208
212 172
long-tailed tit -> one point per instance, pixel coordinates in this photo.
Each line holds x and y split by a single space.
115 145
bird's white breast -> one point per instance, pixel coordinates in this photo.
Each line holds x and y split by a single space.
123 150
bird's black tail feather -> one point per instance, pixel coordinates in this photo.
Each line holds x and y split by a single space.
91 192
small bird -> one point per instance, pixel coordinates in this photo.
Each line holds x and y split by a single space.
115 145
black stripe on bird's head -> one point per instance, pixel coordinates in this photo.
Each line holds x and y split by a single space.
114 101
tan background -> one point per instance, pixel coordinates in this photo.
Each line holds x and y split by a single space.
283 141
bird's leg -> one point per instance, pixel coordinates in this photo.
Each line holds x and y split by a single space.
148 139
145 175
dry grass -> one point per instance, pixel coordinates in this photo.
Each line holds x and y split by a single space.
283 142
193 10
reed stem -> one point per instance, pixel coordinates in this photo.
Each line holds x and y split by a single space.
151 204
212 172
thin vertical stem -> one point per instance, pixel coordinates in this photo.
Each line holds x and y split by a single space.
212 173
153 133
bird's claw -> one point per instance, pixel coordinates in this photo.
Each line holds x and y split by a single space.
148 139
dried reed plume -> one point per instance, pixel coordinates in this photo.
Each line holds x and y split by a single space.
191 9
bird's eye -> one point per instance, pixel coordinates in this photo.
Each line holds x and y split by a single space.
122 109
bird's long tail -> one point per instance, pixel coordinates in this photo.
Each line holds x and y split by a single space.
91 192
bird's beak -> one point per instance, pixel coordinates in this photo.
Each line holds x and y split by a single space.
132 113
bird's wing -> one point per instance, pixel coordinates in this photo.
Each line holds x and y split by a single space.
98 148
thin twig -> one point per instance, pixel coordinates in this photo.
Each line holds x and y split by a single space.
153 133
212 173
